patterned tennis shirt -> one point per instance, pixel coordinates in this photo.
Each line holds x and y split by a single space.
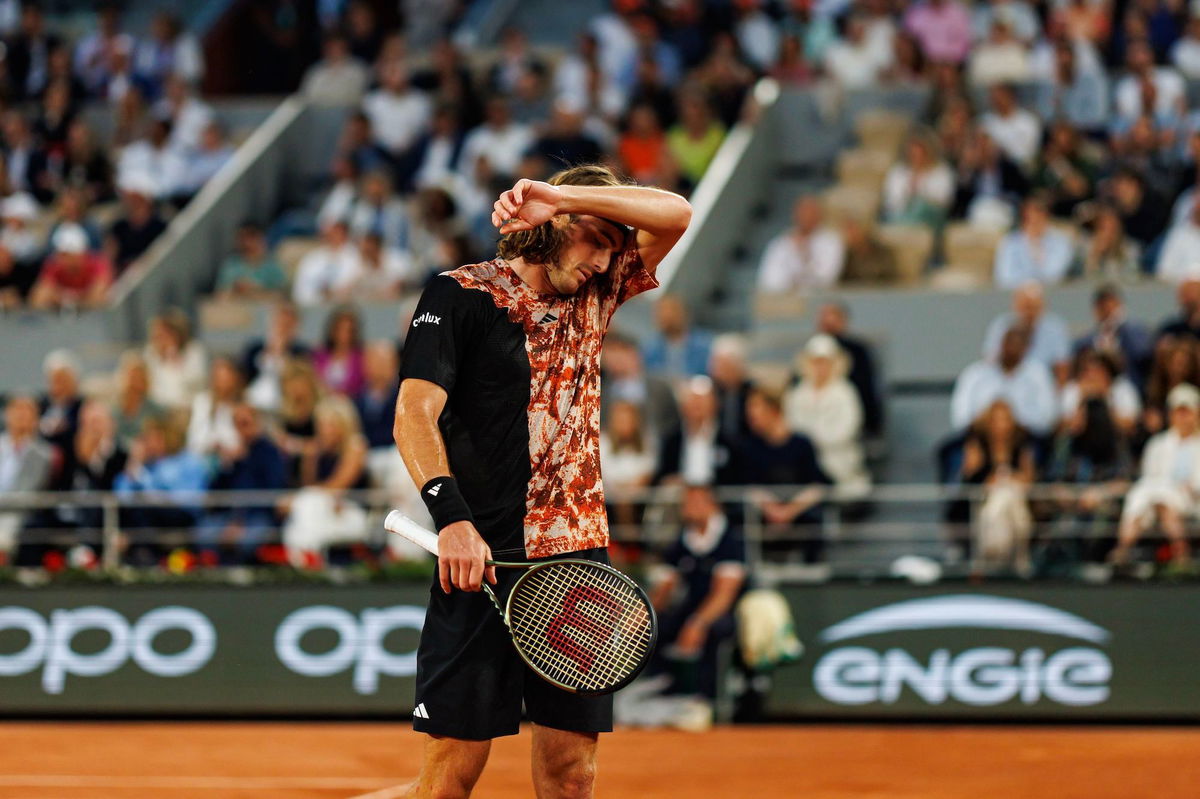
522 420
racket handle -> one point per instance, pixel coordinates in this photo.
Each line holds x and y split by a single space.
396 522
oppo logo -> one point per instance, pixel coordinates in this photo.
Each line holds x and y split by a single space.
980 676
51 643
360 643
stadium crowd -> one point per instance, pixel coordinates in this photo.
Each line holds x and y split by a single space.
102 139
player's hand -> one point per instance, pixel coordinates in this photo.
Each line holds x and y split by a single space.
526 205
461 555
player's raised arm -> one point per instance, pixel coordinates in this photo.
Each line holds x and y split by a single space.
660 216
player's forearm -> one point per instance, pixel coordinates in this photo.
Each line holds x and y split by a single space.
654 211
417 435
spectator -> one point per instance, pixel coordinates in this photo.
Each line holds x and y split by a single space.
1082 20
211 432
1186 324
319 515
376 210
514 61
15 281
28 52
816 31
152 156
159 466
652 90
731 384
580 82
1143 213
626 380
918 189
706 573
1180 255
383 272
1143 149
791 69
169 50
93 53
942 27
19 236
449 81
364 31
339 362
132 234
868 260
643 149
833 319
695 139
72 277
1148 88
1097 383
253 463
300 392
1001 58
175 360
327 269
73 209
1035 251
399 114
1050 342
252 272
564 141
189 116
757 34
202 163
1018 15
998 455
500 139
1125 341
698 453
773 455
678 350
132 404
825 407
627 461
808 256
1176 362
376 406
1016 131
531 102
339 78
1024 383
725 79
263 360
357 144
1185 53
24 461
98 456
989 184
1166 492
1187 179
26 160
84 165
855 61
58 410
56 113
435 224
1067 173
1073 93
1107 252
436 154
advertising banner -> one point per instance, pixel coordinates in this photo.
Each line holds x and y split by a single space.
1005 652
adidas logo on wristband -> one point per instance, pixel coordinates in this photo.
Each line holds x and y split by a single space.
433 491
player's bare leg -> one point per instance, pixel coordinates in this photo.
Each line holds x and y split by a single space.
564 763
450 768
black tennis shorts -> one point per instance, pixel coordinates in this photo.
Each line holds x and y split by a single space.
471 681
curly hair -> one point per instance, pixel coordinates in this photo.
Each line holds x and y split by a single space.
545 243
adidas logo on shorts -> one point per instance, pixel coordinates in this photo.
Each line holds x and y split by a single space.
420 712
433 490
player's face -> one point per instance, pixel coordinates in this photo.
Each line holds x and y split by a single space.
594 241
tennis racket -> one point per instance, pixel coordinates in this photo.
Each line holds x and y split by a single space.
582 626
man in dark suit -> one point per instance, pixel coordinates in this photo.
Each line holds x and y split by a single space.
833 319
727 368
1114 334
263 359
698 453
626 379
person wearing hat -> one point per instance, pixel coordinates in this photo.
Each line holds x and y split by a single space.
72 276
1170 483
19 211
825 407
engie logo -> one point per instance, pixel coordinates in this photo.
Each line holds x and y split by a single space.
980 676
51 643
359 643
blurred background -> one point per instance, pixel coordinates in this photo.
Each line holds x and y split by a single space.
909 431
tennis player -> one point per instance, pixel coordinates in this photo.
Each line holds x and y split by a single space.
498 421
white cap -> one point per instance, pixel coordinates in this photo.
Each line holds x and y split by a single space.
19 206
1184 395
70 238
822 345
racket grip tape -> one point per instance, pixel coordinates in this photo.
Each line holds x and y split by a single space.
396 522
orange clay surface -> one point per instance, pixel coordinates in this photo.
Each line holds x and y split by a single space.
44 760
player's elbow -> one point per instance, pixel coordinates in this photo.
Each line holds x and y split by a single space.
681 213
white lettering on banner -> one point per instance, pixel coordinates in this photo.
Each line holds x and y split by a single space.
360 643
51 645
980 676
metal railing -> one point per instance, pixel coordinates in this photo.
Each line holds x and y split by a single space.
858 536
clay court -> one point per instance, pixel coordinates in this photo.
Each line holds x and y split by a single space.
376 761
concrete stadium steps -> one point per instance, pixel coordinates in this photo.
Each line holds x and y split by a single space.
555 23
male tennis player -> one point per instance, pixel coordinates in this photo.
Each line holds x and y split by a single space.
498 422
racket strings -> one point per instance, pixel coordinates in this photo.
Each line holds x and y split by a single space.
583 626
